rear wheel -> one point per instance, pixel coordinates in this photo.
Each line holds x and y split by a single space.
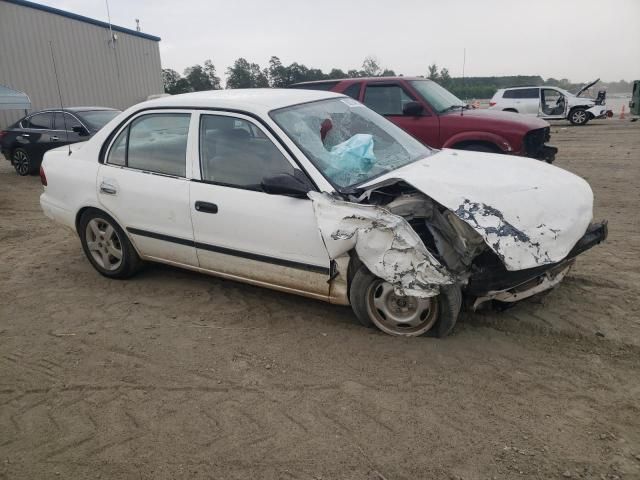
579 116
106 245
22 162
375 303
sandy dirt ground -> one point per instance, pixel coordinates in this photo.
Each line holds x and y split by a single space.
173 374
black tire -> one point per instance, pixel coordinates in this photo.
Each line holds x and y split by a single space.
579 116
447 306
23 162
478 147
129 262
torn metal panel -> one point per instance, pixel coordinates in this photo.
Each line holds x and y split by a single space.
385 243
528 212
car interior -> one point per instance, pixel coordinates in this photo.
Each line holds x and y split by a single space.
234 152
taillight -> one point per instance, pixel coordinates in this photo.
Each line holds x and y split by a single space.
491 104
43 177
2 134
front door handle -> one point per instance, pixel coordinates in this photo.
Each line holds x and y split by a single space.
206 207
54 138
108 189
25 135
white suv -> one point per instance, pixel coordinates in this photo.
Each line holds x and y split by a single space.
550 103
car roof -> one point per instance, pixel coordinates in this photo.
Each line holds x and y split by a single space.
360 79
73 110
253 100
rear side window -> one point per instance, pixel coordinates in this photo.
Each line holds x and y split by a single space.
353 91
521 93
386 99
236 153
41 121
153 143
64 121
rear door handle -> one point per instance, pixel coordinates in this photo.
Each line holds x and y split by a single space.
54 138
108 189
25 135
206 207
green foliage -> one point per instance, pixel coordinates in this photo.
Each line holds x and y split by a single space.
195 79
246 75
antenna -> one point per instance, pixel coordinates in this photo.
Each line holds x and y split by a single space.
137 24
64 117
111 39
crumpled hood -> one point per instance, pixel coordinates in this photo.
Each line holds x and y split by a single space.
529 213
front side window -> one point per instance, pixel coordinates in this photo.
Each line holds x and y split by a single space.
41 121
153 143
386 99
236 153
346 141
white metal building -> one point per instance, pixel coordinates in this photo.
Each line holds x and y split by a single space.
98 64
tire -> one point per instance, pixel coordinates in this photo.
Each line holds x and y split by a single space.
103 241
22 162
478 147
578 116
437 315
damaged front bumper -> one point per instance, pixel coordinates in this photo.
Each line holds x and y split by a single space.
494 282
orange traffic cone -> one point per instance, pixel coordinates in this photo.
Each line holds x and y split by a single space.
622 113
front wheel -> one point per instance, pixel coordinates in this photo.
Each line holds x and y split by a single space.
579 116
375 303
106 245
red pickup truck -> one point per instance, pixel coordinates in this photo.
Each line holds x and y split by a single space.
439 119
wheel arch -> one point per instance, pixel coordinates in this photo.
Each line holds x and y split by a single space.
86 208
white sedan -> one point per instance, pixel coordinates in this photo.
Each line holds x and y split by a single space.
312 193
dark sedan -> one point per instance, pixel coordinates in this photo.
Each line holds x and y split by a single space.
25 142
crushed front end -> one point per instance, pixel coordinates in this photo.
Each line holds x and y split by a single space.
536 145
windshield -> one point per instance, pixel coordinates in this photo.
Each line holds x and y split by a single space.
96 119
346 141
438 97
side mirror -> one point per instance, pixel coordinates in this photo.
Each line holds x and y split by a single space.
286 184
80 130
412 109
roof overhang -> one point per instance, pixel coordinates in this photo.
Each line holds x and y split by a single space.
11 99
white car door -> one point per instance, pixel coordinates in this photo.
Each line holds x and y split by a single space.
144 185
242 232
553 104
530 101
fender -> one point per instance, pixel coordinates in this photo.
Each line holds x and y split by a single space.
497 140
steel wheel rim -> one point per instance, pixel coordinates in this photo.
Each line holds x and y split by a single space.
21 162
400 315
579 117
104 244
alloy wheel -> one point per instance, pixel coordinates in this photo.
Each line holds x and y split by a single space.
104 244
21 162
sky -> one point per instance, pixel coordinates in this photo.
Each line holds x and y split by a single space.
575 39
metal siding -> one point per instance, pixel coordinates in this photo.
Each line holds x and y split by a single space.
89 70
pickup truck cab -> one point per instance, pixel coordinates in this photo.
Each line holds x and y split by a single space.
439 119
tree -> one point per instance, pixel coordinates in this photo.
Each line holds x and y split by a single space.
174 83
210 70
198 78
370 67
246 75
445 78
278 73
336 73
433 72
388 73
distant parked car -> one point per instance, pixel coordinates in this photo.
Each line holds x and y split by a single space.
551 103
439 119
25 142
